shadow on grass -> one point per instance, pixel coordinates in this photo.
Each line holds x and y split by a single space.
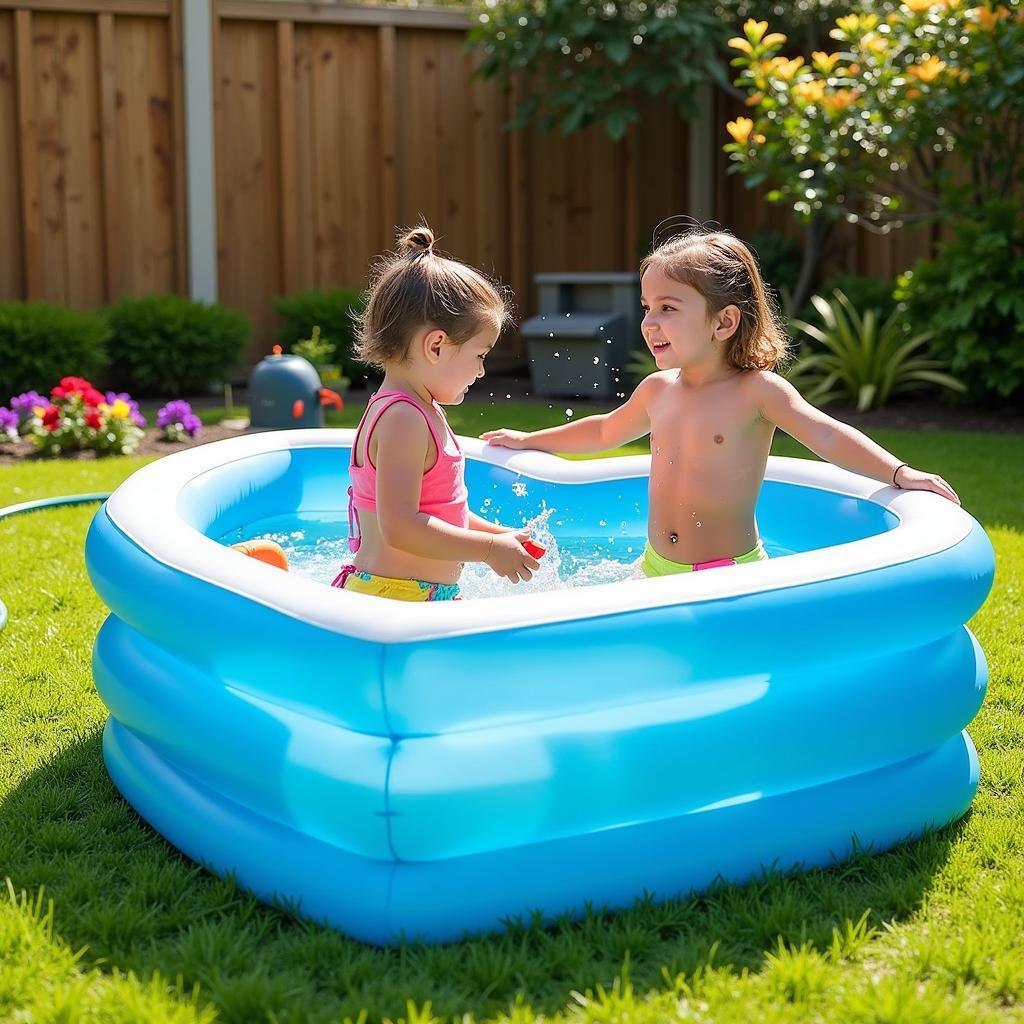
137 904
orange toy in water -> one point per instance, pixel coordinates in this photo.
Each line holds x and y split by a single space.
268 551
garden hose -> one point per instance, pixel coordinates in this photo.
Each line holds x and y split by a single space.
35 506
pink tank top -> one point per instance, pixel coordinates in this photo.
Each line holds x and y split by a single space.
443 490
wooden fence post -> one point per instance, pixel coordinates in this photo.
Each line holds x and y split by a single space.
197 40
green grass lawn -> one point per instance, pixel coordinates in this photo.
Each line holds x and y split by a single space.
101 920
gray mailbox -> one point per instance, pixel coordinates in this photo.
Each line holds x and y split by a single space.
581 339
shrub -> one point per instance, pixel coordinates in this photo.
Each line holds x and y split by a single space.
331 311
971 297
41 343
164 344
863 359
863 292
778 257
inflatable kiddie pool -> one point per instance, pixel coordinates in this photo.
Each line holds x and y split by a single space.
424 770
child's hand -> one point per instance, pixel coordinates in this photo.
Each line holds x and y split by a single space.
911 479
507 438
508 558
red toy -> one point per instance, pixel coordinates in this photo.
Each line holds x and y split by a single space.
534 549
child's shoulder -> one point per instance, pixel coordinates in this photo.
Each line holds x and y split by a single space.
403 417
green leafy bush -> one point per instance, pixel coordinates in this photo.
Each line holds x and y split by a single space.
164 344
863 359
331 311
40 344
863 292
971 297
778 257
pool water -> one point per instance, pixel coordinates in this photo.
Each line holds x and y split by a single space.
317 548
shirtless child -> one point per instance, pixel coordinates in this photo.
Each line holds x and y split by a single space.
712 408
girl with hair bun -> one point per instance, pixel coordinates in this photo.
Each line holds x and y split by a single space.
429 324
712 408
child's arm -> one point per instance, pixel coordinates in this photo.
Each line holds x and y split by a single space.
839 443
481 525
402 441
590 434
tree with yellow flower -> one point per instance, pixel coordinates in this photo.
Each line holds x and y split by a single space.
915 112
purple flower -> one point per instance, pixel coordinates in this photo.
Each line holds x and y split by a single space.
137 418
173 412
177 418
25 403
8 421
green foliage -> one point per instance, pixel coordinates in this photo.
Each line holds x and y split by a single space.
867 132
864 292
167 345
40 344
331 312
320 352
778 256
863 359
971 297
641 364
590 62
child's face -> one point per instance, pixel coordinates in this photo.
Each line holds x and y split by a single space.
676 326
460 366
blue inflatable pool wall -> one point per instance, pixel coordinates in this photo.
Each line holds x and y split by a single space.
426 771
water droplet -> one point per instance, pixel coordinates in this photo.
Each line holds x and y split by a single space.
487 502
597 359
556 355
569 413
603 522
698 522
508 396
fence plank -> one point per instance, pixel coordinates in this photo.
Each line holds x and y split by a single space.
249 176
386 48
140 7
287 146
111 183
12 281
81 189
178 176
28 153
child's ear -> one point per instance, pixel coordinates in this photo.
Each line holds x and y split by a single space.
727 320
433 342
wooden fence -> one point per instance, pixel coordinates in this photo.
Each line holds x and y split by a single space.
332 124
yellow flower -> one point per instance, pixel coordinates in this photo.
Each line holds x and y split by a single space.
913 94
773 39
824 62
39 410
740 129
739 43
754 30
120 410
811 91
918 6
786 69
989 18
874 42
753 99
928 70
759 138
840 99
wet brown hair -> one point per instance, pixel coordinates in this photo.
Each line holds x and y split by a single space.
724 271
415 287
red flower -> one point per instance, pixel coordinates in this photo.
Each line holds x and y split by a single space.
51 417
72 386
92 397
93 419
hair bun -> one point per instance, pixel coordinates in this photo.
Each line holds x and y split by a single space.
417 241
